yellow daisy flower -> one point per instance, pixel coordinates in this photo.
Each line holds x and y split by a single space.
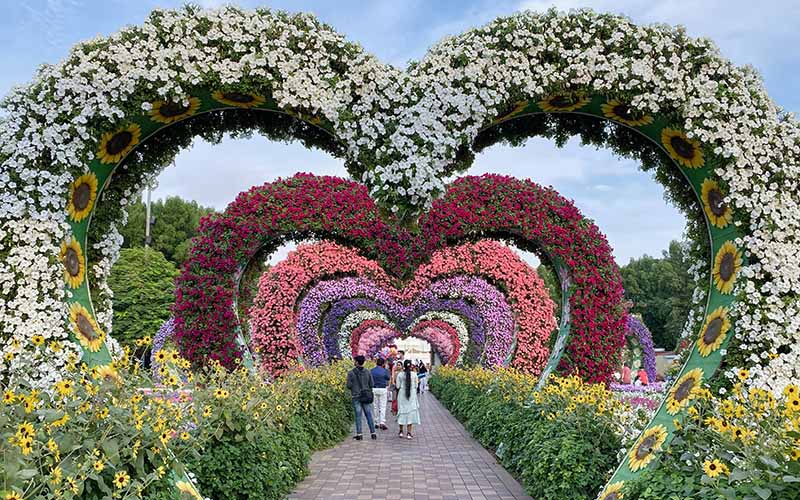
9 397
714 468
682 149
37 339
727 264
613 491
563 102
621 112
85 328
717 211
82 195
646 447
743 374
519 106
171 112
65 387
114 146
25 430
71 256
681 392
714 331
239 99
121 479
99 466
13 495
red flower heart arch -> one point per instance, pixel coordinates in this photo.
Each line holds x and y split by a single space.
308 206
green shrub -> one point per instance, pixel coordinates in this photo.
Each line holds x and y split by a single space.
144 290
560 443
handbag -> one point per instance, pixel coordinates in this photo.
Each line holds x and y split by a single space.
394 406
365 396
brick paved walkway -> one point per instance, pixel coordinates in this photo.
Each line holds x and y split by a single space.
442 462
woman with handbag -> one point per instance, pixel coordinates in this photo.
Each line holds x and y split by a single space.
407 402
359 381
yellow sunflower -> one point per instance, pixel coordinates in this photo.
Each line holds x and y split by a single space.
239 99
714 468
519 106
727 264
622 112
171 112
71 256
646 447
718 212
681 392
714 331
682 149
563 102
85 328
106 373
82 194
115 145
613 491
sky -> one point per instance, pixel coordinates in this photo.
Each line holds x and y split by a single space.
626 204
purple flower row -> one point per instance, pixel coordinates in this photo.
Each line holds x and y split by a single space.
636 328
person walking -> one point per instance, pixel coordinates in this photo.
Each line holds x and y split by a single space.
380 380
407 402
422 374
359 381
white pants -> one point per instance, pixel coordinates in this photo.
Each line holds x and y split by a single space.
423 384
379 405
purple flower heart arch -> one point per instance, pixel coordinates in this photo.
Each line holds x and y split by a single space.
307 206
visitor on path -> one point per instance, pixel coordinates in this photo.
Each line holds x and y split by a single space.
359 381
380 381
407 402
422 375
397 367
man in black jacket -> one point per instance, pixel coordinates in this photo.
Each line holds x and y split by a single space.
359 381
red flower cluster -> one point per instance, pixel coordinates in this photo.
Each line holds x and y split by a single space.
307 206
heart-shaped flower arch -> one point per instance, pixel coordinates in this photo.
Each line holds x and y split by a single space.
67 132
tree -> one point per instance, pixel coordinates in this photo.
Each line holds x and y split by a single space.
661 292
143 282
176 224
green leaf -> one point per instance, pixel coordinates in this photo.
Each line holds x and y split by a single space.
762 492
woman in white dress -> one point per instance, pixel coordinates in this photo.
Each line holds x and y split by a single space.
407 403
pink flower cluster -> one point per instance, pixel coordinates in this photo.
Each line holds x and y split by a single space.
307 206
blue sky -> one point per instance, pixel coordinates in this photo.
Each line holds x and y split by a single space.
626 204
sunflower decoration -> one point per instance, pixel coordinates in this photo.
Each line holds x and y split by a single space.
171 112
71 256
85 328
518 108
622 112
681 392
727 265
82 194
187 490
613 491
106 373
718 212
570 101
114 146
714 331
646 447
245 100
682 149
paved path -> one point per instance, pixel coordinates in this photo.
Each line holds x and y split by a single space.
442 462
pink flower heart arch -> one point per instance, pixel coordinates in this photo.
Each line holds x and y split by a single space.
306 206
288 320
71 134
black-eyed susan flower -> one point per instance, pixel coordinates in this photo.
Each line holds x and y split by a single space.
682 149
82 195
37 339
565 102
71 256
239 99
681 392
9 397
25 430
621 112
517 108
613 491
743 374
65 387
790 390
714 331
13 495
98 466
648 444
114 146
171 112
714 468
85 328
727 264
717 211
121 479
